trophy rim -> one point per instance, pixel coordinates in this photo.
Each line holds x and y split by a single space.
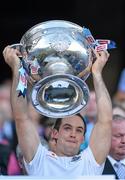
51 24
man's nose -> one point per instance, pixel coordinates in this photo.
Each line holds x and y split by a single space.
73 133
123 139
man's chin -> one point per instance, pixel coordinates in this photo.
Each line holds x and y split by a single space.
121 156
72 152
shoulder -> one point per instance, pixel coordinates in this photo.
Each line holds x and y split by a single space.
41 151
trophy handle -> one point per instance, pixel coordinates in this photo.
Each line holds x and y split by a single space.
23 55
19 47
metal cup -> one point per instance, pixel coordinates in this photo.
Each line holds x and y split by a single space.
59 59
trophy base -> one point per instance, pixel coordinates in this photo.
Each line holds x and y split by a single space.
58 96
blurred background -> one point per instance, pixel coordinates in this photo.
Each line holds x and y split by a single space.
103 17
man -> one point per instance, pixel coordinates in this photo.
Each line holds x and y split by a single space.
117 150
41 162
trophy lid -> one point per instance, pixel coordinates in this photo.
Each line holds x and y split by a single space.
40 27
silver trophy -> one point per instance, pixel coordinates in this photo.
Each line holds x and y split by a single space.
58 58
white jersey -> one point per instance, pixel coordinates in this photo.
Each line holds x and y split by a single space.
47 164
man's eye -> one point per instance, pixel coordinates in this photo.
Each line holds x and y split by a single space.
79 130
67 128
117 136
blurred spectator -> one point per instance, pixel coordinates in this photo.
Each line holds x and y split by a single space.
8 139
36 117
8 161
8 130
47 139
119 97
43 124
90 117
115 162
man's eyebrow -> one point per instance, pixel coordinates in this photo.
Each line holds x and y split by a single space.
80 127
67 125
119 134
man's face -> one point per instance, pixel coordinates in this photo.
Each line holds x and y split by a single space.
117 150
70 136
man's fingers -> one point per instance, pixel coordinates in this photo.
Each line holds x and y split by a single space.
9 49
100 53
5 49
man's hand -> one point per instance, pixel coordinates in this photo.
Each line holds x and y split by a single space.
11 57
101 59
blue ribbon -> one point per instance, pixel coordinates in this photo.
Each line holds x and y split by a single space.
22 85
98 42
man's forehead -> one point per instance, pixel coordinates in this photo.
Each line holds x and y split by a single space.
118 125
74 120
118 122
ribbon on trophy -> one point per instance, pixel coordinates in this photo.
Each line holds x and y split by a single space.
24 72
22 85
98 44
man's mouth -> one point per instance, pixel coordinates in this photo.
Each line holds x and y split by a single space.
122 147
71 141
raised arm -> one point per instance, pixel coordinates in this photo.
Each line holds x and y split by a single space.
27 134
100 140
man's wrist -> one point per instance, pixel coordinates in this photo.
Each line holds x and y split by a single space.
16 67
97 75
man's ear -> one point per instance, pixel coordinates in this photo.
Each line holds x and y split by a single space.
54 134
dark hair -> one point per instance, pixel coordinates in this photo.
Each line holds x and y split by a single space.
59 121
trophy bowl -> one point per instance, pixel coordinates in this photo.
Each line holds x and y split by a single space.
58 59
